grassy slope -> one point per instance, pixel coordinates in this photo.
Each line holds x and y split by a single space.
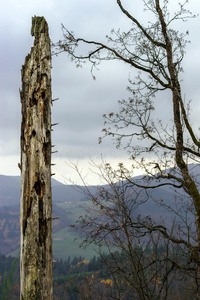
63 241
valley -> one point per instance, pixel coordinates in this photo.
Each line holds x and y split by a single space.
68 205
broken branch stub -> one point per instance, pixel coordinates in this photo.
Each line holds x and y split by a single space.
36 200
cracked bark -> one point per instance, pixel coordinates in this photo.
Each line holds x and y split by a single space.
36 202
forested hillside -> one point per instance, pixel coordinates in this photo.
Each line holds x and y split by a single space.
77 278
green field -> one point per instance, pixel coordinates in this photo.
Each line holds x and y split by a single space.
65 246
63 241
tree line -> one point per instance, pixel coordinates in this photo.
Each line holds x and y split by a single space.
77 278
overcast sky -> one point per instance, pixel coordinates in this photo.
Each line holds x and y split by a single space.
83 101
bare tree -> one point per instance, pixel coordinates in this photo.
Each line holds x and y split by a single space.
36 263
163 150
148 258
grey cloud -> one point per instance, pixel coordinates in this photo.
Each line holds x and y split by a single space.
82 100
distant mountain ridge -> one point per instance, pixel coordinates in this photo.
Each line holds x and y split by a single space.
10 191
10 209
61 193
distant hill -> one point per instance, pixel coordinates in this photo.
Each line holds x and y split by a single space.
10 191
10 226
61 193
10 209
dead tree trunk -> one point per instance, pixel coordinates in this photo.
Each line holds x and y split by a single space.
36 202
